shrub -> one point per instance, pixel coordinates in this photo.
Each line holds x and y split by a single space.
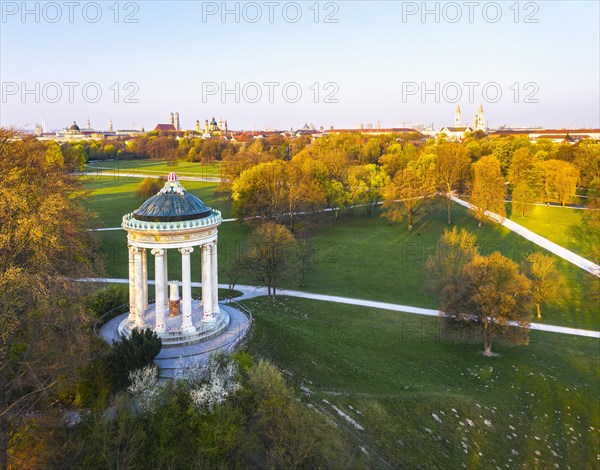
130 354
148 187
106 299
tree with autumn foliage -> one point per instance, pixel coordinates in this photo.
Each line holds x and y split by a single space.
545 279
304 193
366 185
489 188
260 192
149 187
456 249
491 295
561 180
451 167
44 245
409 193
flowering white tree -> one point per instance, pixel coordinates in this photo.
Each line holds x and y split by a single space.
217 382
145 387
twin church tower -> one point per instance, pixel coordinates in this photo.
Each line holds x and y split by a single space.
478 120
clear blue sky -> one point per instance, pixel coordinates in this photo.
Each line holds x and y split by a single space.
369 54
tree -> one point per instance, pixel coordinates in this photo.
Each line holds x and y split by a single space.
44 245
233 271
409 192
455 250
366 184
451 167
371 151
260 192
561 180
148 188
54 155
502 150
522 161
523 197
271 254
488 188
303 191
75 157
588 161
491 294
107 299
393 160
110 151
545 279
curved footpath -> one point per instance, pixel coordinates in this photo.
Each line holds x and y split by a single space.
255 291
552 247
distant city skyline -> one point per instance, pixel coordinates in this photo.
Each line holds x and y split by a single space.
393 62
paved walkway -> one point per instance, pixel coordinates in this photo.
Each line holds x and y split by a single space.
255 291
552 247
124 173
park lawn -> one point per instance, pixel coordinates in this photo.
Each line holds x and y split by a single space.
562 225
158 167
359 257
367 258
427 401
112 197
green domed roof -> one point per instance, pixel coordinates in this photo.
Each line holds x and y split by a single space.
172 204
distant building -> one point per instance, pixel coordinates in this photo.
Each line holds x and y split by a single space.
479 120
455 133
165 127
570 136
459 130
172 126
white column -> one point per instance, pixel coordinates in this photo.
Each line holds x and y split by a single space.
130 251
145 271
139 287
207 302
160 289
214 279
186 290
166 277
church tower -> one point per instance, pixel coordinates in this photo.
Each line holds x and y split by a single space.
479 121
177 128
110 125
457 118
172 119
197 126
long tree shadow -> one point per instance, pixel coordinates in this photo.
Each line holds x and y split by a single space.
587 238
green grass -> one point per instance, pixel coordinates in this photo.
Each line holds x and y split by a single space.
158 167
561 225
112 197
360 257
391 372
365 257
